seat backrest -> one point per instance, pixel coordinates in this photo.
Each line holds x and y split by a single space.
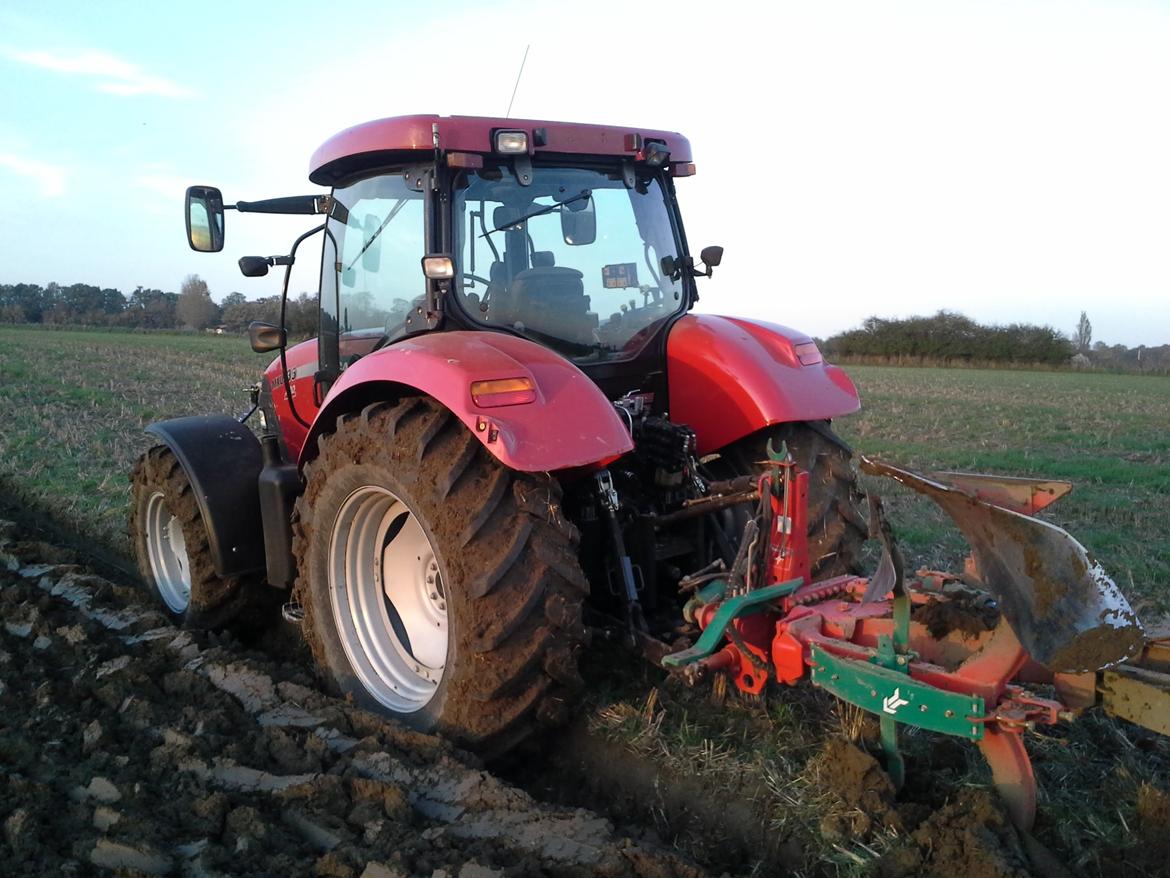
553 300
504 216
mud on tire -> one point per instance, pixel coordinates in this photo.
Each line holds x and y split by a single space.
506 558
170 543
836 527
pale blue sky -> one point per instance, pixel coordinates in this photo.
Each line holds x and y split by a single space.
1010 160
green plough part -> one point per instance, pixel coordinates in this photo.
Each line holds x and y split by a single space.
729 610
895 696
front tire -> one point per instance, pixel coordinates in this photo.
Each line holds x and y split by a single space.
171 546
439 587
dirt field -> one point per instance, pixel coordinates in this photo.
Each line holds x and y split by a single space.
128 745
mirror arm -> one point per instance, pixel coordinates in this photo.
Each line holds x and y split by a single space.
292 204
691 271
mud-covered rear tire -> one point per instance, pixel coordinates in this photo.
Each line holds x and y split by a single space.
836 527
504 554
172 549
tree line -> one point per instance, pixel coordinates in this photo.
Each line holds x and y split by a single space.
192 308
943 338
948 336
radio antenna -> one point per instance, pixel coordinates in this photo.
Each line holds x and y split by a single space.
517 85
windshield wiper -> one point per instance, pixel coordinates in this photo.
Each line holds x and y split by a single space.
548 208
393 213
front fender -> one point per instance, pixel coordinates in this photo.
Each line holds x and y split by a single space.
570 423
729 377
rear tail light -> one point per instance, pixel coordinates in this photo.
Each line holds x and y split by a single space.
503 391
808 353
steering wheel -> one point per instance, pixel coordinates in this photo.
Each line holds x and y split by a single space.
487 286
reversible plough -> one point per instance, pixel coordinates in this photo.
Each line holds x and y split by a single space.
1054 623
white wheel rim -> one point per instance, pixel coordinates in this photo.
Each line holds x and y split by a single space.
388 599
167 550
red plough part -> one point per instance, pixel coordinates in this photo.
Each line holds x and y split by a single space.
856 637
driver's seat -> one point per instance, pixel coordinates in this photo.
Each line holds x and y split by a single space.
552 299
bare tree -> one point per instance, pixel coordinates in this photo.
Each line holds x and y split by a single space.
1084 334
195 308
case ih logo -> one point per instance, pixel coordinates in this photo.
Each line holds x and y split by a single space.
279 379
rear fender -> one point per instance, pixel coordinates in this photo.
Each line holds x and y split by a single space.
729 377
221 458
569 424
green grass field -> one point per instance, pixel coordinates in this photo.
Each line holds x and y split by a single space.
75 404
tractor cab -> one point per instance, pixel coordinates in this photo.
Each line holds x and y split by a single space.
567 235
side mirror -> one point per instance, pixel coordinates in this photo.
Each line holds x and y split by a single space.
711 257
579 224
254 266
204 215
265 337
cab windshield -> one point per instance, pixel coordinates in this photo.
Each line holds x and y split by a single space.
370 275
572 260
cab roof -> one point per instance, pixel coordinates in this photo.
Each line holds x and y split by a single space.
406 138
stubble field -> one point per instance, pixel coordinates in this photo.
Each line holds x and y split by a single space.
75 404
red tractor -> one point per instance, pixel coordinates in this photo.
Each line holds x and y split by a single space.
511 432
508 413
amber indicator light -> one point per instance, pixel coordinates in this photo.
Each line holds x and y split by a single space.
503 391
808 353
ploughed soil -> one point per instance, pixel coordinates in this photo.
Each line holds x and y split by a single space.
130 747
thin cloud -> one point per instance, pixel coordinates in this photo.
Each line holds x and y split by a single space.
51 178
111 74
